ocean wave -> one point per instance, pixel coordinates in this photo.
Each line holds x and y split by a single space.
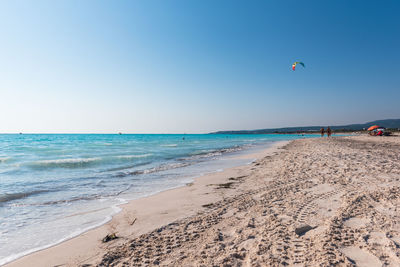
83 198
163 167
4 159
213 153
169 145
15 196
182 162
65 163
64 238
56 202
134 156
73 199
120 168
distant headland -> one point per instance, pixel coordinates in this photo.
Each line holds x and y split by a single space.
389 124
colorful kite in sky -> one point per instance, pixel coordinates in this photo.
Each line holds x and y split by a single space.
297 62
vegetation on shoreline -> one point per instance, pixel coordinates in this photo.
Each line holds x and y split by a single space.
391 125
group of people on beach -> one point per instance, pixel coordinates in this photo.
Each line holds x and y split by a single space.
328 132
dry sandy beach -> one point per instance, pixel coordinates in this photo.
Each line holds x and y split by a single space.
310 202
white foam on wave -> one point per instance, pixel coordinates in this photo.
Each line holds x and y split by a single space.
134 156
208 154
73 160
160 168
64 163
170 145
115 209
4 159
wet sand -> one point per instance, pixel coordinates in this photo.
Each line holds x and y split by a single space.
312 202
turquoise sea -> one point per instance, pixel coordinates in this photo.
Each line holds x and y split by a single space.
56 186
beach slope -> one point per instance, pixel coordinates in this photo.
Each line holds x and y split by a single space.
313 202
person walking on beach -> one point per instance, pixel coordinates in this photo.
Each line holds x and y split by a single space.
329 132
322 132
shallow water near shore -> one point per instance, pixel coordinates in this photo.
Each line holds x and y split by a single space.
54 187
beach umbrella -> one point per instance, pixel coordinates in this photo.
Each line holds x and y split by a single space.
373 127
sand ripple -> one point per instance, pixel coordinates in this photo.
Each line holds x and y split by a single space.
346 189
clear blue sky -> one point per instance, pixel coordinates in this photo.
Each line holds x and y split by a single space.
196 66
